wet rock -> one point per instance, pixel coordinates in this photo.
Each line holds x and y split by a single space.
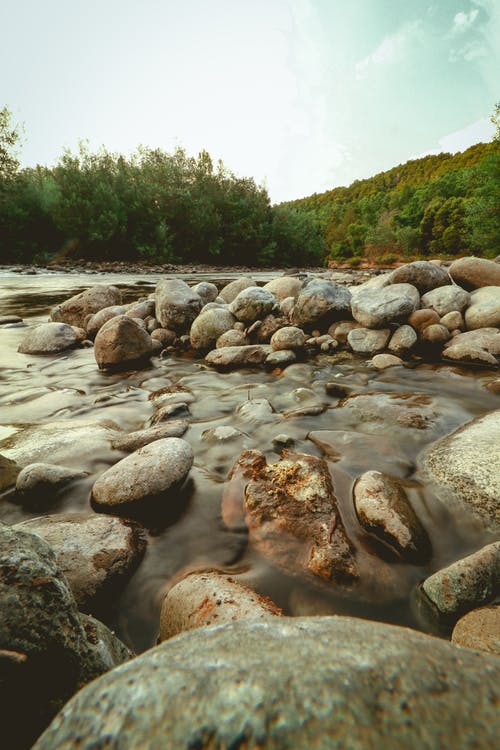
6 320
147 473
311 410
105 649
138 439
353 450
289 337
164 336
290 683
284 287
482 338
453 321
75 310
384 511
41 479
293 520
484 308
221 434
41 624
48 338
8 472
399 410
468 352
320 302
282 441
270 324
95 322
143 309
231 290
421 274
207 291
281 358
368 341
465 466
169 411
435 334
252 303
286 306
479 629
232 338
238 356
383 361
472 273
339 331
96 553
210 598
122 342
464 585
176 305
208 326
446 299
392 304
402 340
256 410
421 319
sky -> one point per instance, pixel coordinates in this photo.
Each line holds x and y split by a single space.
302 95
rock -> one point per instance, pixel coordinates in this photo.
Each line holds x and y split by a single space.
421 319
143 309
238 356
479 629
232 338
472 273
48 338
164 336
453 321
284 287
446 299
7 320
435 334
286 306
122 343
289 337
40 623
41 480
75 310
96 553
281 358
341 330
293 520
468 352
282 441
252 303
168 411
421 274
270 324
320 302
289 683
257 410
368 341
465 466
481 338
383 361
147 473
231 290
8 472
402 340
207 291
464 585
484 308
81 335
134 440
377 308
176 305
210 598
106 651
220 434
395 410
95 322
383 510
208 326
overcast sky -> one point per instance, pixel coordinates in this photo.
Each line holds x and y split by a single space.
303 95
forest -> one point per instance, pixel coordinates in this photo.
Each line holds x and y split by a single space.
156 207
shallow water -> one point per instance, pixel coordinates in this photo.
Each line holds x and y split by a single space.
354 435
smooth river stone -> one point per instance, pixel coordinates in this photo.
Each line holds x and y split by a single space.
208 326
377 308
473 273
251 304
177 305
421 274
48 338
147 473
238 356
321 301
484 308
446 299
121 343
75 310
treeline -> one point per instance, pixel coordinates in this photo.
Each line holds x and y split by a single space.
437 205
154 207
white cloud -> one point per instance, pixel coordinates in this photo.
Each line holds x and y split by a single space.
480 131
473 50
464 21
392 49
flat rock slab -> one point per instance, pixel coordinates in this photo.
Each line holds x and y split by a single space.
319 682
238 356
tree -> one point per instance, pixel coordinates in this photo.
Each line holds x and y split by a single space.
10 138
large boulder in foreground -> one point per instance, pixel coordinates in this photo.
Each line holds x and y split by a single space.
177 305
472 273
75 310
122 342
48 338
321 682
465 466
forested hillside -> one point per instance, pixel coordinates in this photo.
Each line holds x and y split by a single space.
159 207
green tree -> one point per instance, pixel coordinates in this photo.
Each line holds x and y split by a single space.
10 138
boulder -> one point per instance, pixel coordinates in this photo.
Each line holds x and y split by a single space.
368 341
484 308
340 331
208 326
75 310
384 511
177 305
207 291
284 287
281 358
269 325
121 343
96 553
252 303
320 302
453 321
446 299
147 473
132 441
95 322
472 273
279 683
42 479
256 410
376 308
421 319
232 338
238 356
479 629
9 471
143 309
435 334
402 340
48 338
481 346
210 598
383 361
289 337
465 466
231 290
421 274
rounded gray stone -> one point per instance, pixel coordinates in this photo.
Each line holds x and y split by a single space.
422 274
75 310
321 301
208 326
368 341
122 342
376 308
446 299
177 305
48 338
251 304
